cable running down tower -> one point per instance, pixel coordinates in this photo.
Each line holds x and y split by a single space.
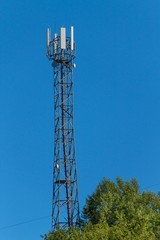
65 206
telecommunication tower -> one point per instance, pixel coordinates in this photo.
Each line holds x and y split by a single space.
65 205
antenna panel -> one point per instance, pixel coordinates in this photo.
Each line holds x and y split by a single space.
48 37
55 42
72 38
63 38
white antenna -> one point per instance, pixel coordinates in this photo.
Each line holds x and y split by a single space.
55 43
72 38
63 38
48 37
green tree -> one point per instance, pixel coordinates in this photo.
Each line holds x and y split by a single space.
89 232
117 211
129 213
61 234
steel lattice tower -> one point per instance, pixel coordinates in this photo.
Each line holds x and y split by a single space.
65 206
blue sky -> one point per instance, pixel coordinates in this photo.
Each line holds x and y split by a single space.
117 102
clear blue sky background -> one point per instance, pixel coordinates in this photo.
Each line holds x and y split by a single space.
117 101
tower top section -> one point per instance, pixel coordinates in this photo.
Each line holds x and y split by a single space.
61 47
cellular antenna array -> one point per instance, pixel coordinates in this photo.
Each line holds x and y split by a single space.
65 206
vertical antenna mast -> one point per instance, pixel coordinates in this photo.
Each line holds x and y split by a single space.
65 208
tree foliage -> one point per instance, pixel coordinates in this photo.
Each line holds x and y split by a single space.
117 211
89 232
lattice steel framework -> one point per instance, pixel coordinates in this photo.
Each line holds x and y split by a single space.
65 206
